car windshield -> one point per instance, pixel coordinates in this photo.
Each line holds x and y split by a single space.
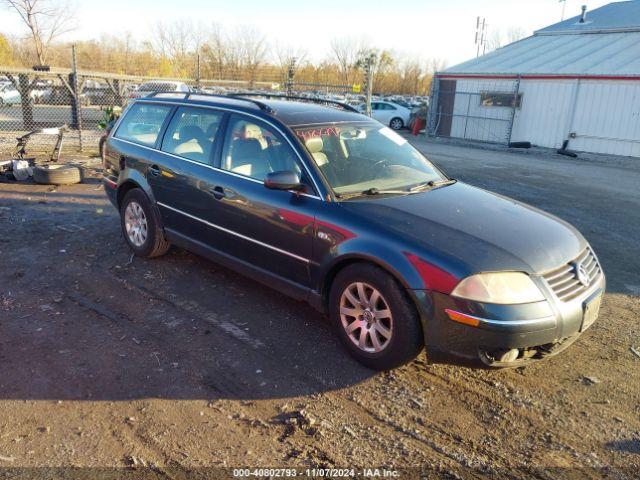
361 156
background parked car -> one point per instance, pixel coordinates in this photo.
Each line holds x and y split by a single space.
41 92
9 95
148 88
389 113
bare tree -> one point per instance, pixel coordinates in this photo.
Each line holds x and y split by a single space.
253 49
494 40
46 21
6 52
214 51
346 52
515 33
286 55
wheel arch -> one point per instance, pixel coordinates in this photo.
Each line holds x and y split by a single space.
341 263
131 184
125 188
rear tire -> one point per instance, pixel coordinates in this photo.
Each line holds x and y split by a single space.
141 226
366 298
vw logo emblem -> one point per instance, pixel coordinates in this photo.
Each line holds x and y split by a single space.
582 275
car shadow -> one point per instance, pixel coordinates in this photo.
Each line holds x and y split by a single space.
627 446
179 327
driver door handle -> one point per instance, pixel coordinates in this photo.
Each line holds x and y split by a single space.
218 192
154 170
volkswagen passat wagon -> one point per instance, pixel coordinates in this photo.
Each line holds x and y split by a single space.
331 207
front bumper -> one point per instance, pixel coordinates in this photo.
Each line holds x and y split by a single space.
502 327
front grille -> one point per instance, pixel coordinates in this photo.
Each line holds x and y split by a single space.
564 280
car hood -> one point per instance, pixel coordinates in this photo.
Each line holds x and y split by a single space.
474 230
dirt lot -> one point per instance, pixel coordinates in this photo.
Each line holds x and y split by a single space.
111 363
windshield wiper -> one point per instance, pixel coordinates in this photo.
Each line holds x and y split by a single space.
431 184
371 192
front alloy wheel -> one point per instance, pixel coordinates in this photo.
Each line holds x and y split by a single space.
374 317
366 317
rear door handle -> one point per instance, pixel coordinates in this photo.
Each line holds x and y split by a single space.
218 192
154 170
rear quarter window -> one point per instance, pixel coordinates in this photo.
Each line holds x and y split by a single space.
142 123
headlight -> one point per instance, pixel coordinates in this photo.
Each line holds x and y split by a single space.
501 287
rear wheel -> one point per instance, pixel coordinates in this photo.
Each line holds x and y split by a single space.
396 123
374 318
141 227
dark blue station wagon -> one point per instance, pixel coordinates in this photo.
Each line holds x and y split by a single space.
331 207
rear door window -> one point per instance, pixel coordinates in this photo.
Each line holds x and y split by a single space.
193 134
143 123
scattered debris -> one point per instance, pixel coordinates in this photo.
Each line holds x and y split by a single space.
71 228
635 351
590 380
134 461
6 459
130 260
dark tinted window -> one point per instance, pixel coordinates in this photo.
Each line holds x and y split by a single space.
142 123
499 99
192 133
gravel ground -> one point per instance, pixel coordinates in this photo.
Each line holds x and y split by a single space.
117 367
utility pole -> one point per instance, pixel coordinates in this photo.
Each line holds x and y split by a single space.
369 61
481 35
198 70
76 108
564 5
291 72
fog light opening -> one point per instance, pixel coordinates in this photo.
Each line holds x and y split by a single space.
505 356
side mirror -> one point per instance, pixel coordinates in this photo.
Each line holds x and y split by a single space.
283 181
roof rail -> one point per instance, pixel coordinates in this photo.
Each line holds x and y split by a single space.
263 106
345 106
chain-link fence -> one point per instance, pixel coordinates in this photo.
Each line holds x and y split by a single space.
31 100
474 108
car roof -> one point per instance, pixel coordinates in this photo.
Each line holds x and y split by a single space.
291 113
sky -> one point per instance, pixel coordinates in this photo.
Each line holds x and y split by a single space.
441 29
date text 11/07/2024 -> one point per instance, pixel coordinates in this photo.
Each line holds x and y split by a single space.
316 472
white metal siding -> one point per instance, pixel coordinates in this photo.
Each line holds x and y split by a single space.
544 117
603 114
607 118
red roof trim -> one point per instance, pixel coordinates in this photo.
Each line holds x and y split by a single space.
539 77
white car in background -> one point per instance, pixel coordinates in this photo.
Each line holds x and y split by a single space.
389 113
9 95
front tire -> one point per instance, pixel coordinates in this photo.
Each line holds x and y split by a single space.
374 318
396 123
141 226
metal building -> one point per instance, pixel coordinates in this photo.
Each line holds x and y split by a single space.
575 81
